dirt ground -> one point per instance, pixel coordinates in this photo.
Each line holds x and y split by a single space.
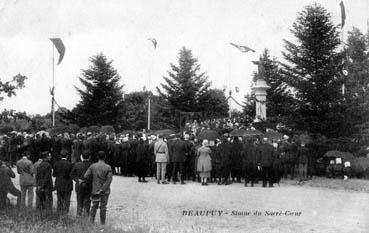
295 208
234 208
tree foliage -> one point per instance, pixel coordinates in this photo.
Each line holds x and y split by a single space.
357 80
136 107
186 88
9 87
102 97
312 72
216 104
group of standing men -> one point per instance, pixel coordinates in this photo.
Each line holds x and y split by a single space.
92 183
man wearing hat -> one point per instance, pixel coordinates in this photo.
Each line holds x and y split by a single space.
44 183
161 159
101 175
224 151
26 179
63 182
265 152
170 143
83 186
179 157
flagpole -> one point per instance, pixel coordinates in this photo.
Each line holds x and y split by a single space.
149 114
149 96
52 90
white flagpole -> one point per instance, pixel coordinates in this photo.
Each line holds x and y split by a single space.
149 97
52 90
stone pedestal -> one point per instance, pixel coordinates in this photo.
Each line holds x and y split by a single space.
260 89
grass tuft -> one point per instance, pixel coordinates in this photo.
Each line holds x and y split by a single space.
31 221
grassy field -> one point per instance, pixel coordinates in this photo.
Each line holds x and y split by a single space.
358 185
31 221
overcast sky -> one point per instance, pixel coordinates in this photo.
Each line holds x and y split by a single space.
120 29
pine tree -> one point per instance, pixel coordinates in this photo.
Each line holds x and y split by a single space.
215 104
186 87
102 97
313 72
357 81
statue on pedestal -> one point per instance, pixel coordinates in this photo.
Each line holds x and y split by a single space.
260 89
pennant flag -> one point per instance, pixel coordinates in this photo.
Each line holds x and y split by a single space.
242 48
153 40
343 14
237 89
58 43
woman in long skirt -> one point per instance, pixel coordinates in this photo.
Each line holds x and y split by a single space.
204 162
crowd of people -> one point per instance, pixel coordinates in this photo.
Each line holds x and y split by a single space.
219 124
91 159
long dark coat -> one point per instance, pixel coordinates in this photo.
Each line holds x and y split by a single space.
265 153
43 176
249 159
223 158
63 181
142 159
236 157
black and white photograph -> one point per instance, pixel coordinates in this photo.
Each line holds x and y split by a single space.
184 116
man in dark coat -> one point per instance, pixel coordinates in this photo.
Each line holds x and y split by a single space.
6 185
170 144
63 182
122 154
44 183
131 159
142 160
224 151
178 158
77 149
236 160
303 160
83 187
110 144
249 162
190 158
265 153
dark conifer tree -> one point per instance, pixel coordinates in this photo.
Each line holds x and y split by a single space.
102 96
312 72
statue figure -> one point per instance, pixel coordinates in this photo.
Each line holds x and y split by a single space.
261 68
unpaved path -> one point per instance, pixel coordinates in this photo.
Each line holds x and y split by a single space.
162 206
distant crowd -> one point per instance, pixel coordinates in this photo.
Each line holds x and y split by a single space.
91 159
219 124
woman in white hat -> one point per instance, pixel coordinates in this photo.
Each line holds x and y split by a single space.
204 162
